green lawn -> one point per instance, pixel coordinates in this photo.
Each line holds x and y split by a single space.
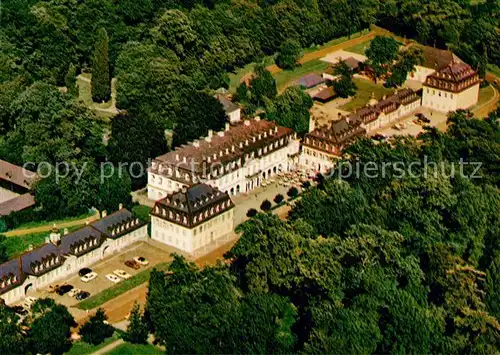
82 348
142 212
494 69
336 41
134 349
235 78
365 90
485 94
285 77
118 289
359 48
50 223
19 244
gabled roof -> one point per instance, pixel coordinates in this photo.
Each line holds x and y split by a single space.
68 242
310 80
37 256
190 203
434 58
16 175
325 94
16 204
227 104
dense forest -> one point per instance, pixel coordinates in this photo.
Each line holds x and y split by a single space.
389 265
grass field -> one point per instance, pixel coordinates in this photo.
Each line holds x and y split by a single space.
142 212
365 90
336 41
284 78
494 69
19 244
117 290
50 223
82 348
135 349
359 48
485 94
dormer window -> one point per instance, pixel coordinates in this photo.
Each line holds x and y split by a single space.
2 285
14 278
8 282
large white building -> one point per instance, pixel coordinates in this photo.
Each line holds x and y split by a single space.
62 256
453 87
192 218
234 160
323 145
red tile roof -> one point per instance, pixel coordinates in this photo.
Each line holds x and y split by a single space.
16 174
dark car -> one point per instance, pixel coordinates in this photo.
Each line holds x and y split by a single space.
379 137
64 289
425 119
84 271
132 264
82 295
19 310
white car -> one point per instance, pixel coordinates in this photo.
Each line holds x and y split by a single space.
89 277
74 292
113 278
28 301
122 274
141 260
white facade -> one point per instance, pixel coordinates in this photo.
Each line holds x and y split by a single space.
239 175
190 239
442 100
72 263
317 160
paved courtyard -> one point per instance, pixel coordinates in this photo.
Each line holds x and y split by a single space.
438 119
154 253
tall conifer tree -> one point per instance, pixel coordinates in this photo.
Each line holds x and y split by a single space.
101 83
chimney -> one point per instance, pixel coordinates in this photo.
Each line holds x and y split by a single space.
47 240
30 247
177 156
246 123
120 206
55 236
227 126
208 138
257 118
196 143
220 134
104 214
66 232
184 159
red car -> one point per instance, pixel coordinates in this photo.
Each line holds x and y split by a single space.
132 264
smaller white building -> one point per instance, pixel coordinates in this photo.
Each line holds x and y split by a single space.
63 256
453 87
233 111
192 218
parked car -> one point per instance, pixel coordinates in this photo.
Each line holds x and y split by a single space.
425 119
64 289
113 278
28 301
82 295
141 260
132 264
89 277
84 271
74 292
122 274
53 288
379 137
20 310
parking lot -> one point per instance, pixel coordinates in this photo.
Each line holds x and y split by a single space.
438 119
154 254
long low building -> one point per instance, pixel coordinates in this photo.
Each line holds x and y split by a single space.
192 218
63 255
235 160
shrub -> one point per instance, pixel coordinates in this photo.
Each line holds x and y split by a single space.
251 212
293 192
279 198
265 205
